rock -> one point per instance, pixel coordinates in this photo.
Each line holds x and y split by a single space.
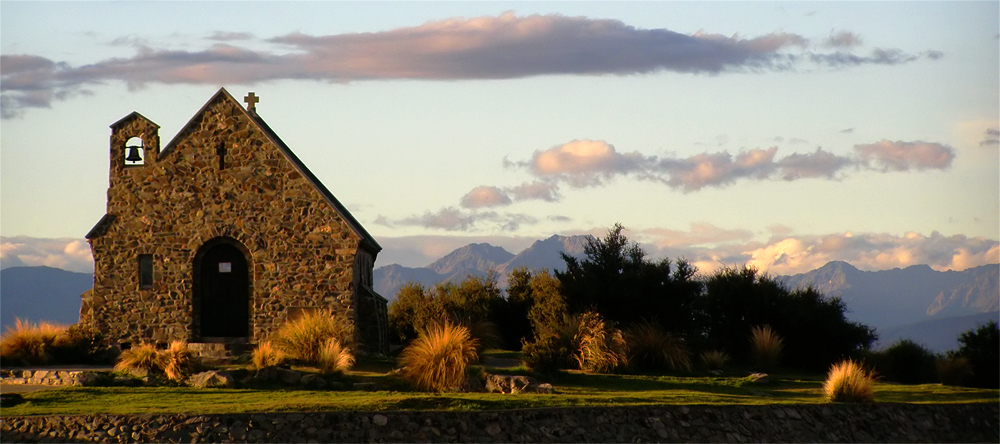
759 378
313 381
212 379
715 372
266 374
288 376
510 384
493 429
380 420
545 388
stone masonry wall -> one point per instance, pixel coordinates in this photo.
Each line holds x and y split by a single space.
772 423
301 250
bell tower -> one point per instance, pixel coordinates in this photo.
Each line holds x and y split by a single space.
135 144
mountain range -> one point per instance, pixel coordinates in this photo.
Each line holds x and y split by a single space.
916 302
479 260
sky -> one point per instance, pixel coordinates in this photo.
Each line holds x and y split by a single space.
776 134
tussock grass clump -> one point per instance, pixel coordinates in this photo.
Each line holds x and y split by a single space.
652 348
142 358
266 355
335 358
27 343
600 347
954 369
714 359
178 361
305 337
848 381
765 347
438 357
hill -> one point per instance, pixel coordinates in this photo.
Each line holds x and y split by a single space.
479 260
891 298
41 293
938 335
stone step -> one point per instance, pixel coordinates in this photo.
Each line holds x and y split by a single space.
219 353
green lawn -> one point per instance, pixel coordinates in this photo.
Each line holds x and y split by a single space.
573 389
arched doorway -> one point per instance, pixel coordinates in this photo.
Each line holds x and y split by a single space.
222 286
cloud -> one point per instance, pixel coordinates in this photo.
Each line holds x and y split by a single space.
583 163
502 47
454 219
904 156
68 254
485 196
699 234
843 39
536 190
991 137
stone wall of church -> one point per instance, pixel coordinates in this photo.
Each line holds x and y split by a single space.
302 252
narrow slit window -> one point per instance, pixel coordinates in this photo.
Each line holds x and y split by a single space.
145 271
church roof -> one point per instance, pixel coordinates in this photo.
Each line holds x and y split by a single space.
301 167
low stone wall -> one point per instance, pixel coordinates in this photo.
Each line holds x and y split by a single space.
773 423
48 377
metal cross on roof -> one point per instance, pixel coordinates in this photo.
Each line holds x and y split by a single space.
251 100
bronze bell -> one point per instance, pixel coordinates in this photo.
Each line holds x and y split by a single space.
133 154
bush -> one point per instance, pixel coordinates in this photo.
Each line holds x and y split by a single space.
954 369
334 358
304 338
267 355
982 348
438 357
140 359
848 381
82 344
765 347
907 362
178 362
714 359
652 348
548 353
29 344
599 346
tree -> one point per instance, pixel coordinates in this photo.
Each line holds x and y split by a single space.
619 282
982 348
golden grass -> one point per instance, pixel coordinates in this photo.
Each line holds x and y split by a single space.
848 381
334 358
438 358
28 343
266 355
714 359
765 347
600 348
649 347
140 358
178 361
305 337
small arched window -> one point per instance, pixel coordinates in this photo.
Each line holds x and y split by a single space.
135 154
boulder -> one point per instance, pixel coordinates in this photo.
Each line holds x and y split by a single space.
759 378
212 379
510 384
288 376
312 381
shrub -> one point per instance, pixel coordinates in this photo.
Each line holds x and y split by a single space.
266 355
178 362
304 338
82 344
651 348
548 353
982 348
29 344
334 358
142 358
954 369
438 358
907 362
714 359
599 347
765 347
848 381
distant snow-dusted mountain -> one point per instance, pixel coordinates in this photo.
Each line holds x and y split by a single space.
890 298
479 260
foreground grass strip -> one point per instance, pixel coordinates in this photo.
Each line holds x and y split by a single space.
574 390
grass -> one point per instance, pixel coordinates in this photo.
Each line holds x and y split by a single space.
652 348
438 358
574 389
765 347
305 337
848 381
30 343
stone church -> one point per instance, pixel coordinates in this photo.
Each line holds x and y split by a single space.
223 236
